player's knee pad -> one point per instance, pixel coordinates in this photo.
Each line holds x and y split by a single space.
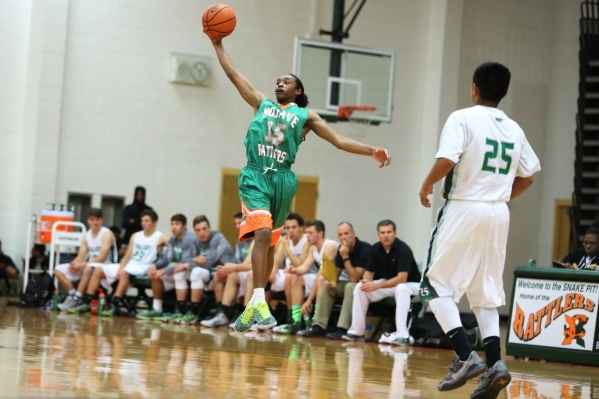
488 321
196 278
180 282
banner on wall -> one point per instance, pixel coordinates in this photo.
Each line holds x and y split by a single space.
556 314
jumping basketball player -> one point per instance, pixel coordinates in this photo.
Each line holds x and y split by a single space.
486 161
267 185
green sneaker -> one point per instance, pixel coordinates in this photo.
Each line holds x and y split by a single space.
83 308
245 321
168 317
188 318
110 312
291 329
263 316
150 315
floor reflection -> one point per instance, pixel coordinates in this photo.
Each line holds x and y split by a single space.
51 354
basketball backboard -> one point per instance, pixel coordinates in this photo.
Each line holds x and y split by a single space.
336 74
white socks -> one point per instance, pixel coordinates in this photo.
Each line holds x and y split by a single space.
488 321
72 292
446 312
157 305
258 296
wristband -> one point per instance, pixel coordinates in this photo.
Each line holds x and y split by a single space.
345 259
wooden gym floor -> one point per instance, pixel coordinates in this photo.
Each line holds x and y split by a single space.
46 354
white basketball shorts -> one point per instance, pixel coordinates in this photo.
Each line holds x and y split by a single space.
466 253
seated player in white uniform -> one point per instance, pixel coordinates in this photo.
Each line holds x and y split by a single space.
141 254
145 244
303 276
236 273
172 270
98 247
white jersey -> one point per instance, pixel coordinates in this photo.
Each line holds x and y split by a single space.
94 245
318 255
295 249
145 249
490 150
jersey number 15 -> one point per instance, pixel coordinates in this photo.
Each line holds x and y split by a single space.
279 133
492 155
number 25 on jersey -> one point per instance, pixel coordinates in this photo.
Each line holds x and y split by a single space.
492 155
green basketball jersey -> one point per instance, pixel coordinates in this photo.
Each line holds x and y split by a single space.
274 135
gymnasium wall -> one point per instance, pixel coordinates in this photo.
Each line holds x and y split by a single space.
87 107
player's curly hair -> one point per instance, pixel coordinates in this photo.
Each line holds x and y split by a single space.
302 99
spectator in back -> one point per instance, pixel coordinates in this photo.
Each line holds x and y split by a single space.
116 230
9 274
587 257
39 260
132 213
351 261
391 272
214 252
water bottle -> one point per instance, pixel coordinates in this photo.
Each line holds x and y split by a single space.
55 299
101 303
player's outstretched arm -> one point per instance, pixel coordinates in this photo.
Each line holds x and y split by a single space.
520 185
245 88
319 126
439 170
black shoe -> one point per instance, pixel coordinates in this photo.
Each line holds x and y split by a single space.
314 331
337 334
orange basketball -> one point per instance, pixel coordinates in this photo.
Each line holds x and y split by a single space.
219 21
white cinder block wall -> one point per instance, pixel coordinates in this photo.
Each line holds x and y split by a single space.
87 107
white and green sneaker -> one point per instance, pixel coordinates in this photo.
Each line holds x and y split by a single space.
150 315
169 317
187 319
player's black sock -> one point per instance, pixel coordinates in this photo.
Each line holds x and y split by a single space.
181 306
195 308
492 350
459 342
219 306
226 310
289 315
87 299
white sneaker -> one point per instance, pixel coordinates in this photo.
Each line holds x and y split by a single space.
220 320
232 325
279 328
387 338
70 303
402 341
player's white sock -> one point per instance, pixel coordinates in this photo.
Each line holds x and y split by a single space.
72 292
78 294
157 305
488 321
258 296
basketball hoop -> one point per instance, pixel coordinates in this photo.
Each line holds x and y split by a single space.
346 112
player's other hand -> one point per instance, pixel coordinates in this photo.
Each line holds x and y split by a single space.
424 193
382 156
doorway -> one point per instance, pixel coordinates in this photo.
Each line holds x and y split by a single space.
305 202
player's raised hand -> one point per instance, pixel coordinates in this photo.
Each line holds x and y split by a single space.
424 193
382 156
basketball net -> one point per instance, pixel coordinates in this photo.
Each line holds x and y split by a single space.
356 116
